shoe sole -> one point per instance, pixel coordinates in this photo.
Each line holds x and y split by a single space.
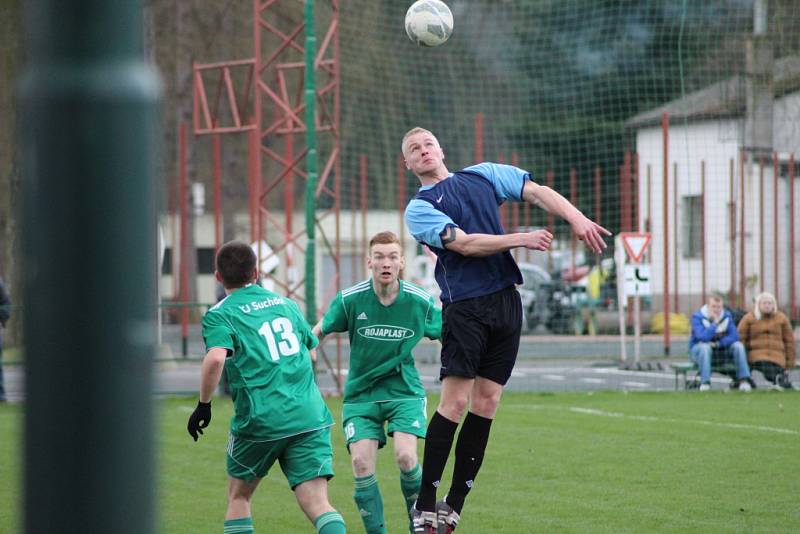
441 521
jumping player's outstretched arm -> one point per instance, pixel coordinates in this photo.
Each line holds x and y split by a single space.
455 239
436 229
551 201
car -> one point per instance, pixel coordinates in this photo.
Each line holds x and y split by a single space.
549 302
535 293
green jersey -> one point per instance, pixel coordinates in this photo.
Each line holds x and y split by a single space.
268 364
381 339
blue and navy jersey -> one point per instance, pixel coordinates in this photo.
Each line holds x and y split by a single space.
469 200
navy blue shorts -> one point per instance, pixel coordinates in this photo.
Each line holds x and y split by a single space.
480 336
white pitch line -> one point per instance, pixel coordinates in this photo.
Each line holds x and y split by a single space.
664 375
736 426
537 370
636 384
592 411
554 377
518 374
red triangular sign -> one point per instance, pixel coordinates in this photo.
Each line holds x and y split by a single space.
635 244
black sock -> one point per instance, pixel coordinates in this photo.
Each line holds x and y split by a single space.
438 441
470 448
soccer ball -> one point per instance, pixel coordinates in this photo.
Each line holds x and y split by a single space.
429 22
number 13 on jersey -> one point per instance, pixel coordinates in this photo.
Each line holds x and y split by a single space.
280 327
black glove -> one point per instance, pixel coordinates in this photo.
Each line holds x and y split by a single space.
199 419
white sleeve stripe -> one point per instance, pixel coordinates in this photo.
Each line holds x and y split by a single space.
351 291
406 283
357 284
418 296
355 292
421 294
361 286
410 287
218 304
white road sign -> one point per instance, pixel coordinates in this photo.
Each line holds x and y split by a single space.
637 280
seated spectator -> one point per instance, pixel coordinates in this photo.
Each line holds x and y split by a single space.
714 334
767 335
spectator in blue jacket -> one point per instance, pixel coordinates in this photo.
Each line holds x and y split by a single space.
714 333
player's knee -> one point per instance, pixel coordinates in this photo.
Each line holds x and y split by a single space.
239 493
485 406
406 459
238 503
312 496
453 408
362 466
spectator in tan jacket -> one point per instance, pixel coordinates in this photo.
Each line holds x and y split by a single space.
768 337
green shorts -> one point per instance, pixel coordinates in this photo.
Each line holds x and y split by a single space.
365 420
302 457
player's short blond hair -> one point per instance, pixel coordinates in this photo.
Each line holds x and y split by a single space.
385 238
412 131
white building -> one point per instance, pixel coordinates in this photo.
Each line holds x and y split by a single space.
706 138
353 227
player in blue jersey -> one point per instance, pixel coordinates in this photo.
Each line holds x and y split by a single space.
263 342
457 216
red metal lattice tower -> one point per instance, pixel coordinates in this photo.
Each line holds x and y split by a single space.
263 97
270 108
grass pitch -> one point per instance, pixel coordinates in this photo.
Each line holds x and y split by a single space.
566 462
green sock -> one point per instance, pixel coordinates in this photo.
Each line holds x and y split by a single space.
330 523
237 526
370 504
409 484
